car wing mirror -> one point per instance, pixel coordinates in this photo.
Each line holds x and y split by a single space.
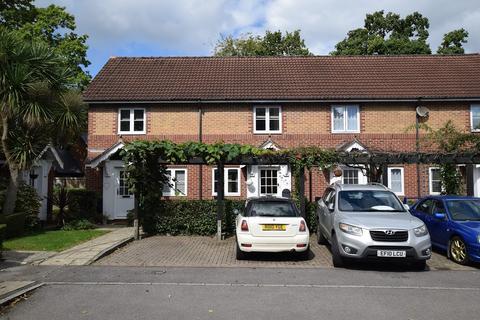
331 206
439 215
406 206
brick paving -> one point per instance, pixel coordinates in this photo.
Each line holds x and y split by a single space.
183 251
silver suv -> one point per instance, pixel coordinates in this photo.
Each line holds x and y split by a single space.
370 222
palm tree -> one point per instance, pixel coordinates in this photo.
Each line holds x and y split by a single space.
35 104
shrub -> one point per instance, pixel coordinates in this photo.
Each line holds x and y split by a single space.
3 228
189 217
78 225
29 203
83 205
15 224
311 216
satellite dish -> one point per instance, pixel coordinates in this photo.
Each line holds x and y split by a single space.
422 111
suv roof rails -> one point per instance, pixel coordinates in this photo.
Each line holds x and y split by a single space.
378 184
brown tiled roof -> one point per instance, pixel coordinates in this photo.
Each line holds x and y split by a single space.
287 78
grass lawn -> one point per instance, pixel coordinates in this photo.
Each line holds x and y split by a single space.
51 240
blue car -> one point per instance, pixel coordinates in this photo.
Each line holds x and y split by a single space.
454 225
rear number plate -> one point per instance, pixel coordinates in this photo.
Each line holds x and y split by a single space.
274 227
391 253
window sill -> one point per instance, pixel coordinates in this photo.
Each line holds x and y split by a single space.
132 133
267 132
345 132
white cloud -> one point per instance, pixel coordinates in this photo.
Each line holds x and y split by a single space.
192 27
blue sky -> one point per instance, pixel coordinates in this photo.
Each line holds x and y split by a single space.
192 27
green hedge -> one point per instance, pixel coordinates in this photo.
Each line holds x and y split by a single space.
198 217
15 224
311 216
83 205
189 217
3 229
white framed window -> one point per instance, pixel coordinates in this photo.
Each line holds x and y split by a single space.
475 117
132 121
123 189
268 182
345 118
351 176
396 180
434 181
231 181
177 183
267 119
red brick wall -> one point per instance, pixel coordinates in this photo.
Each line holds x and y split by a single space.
383 127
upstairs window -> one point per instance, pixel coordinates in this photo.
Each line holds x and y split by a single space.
177 183
131 121
475 117
267 119
345 118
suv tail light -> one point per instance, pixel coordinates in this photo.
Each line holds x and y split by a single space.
244 226
303 227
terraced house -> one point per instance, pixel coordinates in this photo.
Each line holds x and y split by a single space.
362 102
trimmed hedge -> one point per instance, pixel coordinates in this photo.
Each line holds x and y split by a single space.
189 217
199 217
15 224
83 205
3 229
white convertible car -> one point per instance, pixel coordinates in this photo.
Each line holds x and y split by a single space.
270 224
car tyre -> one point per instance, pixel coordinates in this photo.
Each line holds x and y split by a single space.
337 260
304 255
420 265
457 250
320 237
239 254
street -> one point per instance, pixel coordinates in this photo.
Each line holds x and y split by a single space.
99 292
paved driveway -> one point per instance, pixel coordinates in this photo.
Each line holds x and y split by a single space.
192 251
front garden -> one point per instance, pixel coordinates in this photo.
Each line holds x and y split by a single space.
54 240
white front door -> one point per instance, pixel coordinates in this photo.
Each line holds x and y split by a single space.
268 181
124 198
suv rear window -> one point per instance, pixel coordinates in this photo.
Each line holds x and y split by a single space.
272 209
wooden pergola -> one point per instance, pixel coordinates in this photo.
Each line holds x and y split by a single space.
372 159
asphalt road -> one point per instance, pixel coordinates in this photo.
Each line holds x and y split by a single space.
244 293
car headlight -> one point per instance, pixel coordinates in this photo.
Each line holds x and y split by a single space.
421 231
347 228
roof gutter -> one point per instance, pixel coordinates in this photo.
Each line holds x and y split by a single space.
280 100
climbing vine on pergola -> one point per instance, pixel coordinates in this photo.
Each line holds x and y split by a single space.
146 163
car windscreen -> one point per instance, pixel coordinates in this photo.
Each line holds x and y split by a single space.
464 209
369 201
272 209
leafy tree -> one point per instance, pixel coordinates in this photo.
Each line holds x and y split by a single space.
53 25
35 106
271 44
387 34
450 140
452 42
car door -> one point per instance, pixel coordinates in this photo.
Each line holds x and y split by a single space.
323 212
423 211
438 228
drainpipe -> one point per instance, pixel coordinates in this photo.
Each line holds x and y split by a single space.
200 173
417 147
